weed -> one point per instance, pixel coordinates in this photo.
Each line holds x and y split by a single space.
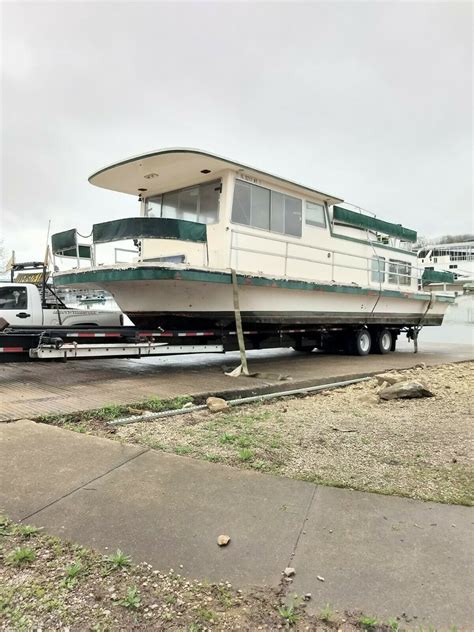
244 442
194 627
227 438
245 454
368 623
206 615
72 572
21 555
289 614
5 525
224 597
327 614
118 560
213 458
183 449
26 530
170 599
393 625
112 411
132 599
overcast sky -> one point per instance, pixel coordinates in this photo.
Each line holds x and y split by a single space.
369 101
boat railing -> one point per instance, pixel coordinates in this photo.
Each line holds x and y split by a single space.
67 244
402 280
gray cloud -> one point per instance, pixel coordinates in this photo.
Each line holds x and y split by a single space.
370 101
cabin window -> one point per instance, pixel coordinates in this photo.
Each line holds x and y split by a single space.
261 208
399 272
13 297
194 204
378 269
315 215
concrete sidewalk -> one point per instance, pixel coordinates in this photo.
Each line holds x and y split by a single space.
385 556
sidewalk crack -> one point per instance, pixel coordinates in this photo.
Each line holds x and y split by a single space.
84 485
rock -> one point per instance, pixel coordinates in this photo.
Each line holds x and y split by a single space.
420 365
307 597
188 405
216 404
389 378
223 540
405 390
289 571
321 579
369 399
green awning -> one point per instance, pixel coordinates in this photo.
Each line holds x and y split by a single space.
437 276
367 222
63 241
153 227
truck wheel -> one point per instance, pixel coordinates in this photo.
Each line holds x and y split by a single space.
360 342
383 342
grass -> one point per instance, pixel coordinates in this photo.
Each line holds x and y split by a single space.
246 454
27 530
368 623
80 421
289 615
327 614
21 556
72 573
132 598
118 560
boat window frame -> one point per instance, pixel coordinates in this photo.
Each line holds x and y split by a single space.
401 277
381 271
217 182
308 222
271 191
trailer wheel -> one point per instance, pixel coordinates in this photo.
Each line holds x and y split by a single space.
359 342
383 341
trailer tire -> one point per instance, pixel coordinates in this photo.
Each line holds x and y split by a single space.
383 342
359 342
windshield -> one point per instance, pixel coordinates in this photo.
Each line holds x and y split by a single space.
195 204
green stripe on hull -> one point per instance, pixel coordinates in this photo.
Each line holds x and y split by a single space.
208 276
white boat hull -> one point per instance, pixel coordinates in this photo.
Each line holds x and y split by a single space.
180 301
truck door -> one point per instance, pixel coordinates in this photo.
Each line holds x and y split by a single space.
14 305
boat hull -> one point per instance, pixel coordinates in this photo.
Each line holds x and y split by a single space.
174 299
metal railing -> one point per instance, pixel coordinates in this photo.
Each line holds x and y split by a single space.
414 277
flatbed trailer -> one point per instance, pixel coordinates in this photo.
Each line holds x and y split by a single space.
67 343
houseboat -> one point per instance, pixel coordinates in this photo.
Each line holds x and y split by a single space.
214 236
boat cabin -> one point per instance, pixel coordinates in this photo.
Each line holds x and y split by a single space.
202 211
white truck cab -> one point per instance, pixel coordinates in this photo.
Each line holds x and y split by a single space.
21 305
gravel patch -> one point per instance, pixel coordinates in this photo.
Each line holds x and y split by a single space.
346 437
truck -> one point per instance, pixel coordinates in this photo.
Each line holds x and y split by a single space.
22 304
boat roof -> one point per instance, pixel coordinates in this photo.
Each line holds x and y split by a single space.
174 168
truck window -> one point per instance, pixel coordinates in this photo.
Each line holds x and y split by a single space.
13 297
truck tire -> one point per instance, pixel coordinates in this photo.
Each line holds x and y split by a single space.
383 342
359 342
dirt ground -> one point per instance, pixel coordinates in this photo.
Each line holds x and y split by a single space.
346 437
48 584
